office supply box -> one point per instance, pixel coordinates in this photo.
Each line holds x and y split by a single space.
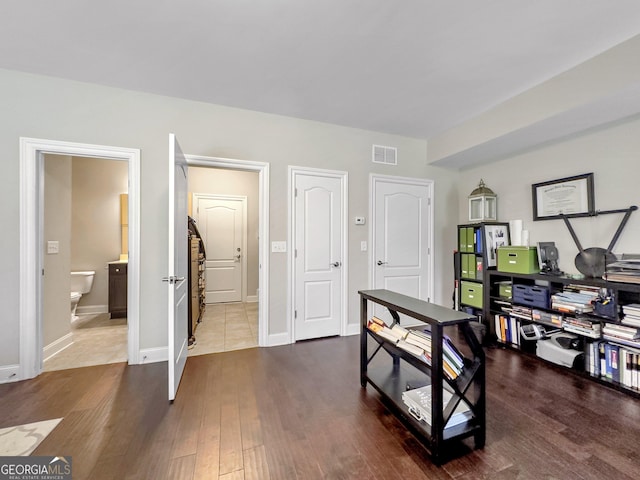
518 260
471 294
531 295
505 290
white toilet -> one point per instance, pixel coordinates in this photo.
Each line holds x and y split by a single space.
81 282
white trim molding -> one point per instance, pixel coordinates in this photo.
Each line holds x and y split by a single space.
32 153
9 373
154 355
57 346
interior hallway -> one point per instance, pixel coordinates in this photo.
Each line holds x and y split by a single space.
99 340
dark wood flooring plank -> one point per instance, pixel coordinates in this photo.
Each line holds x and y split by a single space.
298 412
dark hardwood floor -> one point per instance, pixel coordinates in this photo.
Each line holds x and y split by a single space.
298 412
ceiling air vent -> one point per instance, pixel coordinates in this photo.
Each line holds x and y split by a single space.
386 155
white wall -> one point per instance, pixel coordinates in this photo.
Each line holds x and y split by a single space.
611 153
56 321
95 226
49 108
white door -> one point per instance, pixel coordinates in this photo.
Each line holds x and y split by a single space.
318 230
178 268
221 222
402 223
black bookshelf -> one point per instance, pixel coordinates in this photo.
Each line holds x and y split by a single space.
624 293
391 371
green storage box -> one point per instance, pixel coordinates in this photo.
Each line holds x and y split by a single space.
504 290
471 294
518 260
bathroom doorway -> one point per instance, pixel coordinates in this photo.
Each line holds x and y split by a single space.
36 250
225 205
85 224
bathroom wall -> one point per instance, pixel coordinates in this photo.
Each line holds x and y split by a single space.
232 182
57 227
95 223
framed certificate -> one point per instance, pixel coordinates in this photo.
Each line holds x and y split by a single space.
570 196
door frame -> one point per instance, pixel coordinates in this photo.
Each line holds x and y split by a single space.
32 151
243 199
343 176
374 181
262 168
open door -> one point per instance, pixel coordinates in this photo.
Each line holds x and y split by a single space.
178 267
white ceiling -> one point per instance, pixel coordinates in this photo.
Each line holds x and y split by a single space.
410 67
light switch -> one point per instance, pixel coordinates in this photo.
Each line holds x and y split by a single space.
53 247
360 220
363 246
278 247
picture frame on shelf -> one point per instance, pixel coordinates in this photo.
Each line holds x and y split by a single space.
569 196
495 236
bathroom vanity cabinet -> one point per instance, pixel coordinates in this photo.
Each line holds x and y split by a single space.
118 289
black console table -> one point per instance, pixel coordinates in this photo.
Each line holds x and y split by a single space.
398 371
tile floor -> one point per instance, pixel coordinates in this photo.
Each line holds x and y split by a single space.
96 340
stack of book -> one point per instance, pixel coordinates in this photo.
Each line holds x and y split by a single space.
520 311
418 401
631 315
573 302
622 333
627 271
418 343
583 326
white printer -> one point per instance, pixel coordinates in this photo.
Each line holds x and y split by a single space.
562 348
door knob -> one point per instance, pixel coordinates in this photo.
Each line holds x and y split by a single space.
238 257
336 264
380 262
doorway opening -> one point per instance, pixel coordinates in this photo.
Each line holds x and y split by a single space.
244 321
33 247
224 205
85 226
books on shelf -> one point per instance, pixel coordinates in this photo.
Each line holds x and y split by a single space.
573 302
507 329
631 315
621 331
582 326
618 363
418 343
418 401
626 270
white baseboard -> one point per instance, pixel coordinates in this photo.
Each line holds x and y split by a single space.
273 340
153 355
85 309
10 373
353 329
57 346
251 298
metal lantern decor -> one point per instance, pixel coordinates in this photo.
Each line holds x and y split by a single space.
483 204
